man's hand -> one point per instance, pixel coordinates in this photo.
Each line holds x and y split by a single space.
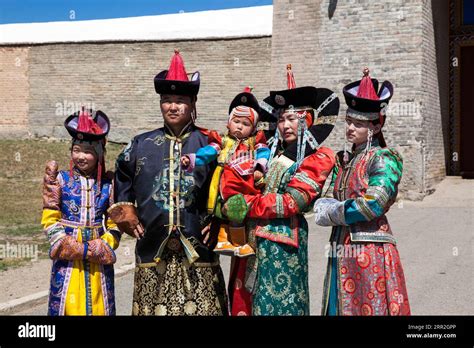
138 231
210 233
206 232
125 216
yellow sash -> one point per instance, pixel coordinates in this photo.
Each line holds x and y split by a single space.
229 145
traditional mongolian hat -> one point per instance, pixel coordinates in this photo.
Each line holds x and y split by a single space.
245 105
317 109
366 102
90 126
363 100
175 80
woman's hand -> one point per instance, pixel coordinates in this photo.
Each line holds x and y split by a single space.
329 212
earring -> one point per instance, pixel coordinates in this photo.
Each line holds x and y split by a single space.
370 134
345 157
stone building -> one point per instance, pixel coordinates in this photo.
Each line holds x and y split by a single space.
49 70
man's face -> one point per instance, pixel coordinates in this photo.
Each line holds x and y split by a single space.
176 110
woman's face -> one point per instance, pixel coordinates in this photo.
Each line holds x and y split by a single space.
288 126
357 130
84 157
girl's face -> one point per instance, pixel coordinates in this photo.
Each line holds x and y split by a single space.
357 130
240 127
84 157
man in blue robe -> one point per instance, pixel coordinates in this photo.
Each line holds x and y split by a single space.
165 208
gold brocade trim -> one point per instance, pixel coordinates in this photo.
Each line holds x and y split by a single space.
177 193
228 149
171 181
277 170
214 263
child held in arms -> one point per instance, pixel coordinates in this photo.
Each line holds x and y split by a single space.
242 155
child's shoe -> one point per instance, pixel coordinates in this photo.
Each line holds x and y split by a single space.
244 251
224 247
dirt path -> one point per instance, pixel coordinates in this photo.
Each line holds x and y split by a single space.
34 277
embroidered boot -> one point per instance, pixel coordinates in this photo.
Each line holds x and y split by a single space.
245 251
224 247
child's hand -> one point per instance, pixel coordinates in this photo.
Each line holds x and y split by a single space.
257 175
185 161
258 179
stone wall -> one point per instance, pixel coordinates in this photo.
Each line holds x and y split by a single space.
14 88
117 78
327 42
395 39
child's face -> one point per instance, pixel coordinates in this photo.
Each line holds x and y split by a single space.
240 127
84 157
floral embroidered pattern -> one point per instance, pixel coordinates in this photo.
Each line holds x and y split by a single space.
173 288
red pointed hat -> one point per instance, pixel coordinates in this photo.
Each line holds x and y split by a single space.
363 100
88 125
175 80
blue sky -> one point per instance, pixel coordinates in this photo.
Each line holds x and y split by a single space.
29 11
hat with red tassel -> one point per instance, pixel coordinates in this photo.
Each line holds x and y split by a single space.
319 107
245 105
321 101
175 80
88 125
363 100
